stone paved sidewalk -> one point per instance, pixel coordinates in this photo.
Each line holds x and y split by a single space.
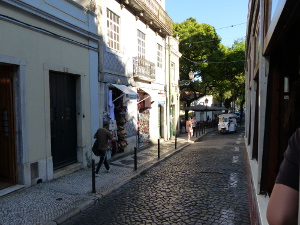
55 201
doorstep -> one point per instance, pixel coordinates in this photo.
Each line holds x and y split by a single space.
67 170
11 189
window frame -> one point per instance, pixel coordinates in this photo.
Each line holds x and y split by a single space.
141 38
159 62
113 34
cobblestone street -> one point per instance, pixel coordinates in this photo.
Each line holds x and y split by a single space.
205 183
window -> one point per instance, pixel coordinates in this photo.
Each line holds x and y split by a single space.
274 4
173 70
141 44
113 30
159 55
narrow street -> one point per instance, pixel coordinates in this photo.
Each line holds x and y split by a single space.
205 183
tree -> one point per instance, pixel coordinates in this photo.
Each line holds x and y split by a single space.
232 85
218 70
198 44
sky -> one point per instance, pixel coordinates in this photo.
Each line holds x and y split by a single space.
228 17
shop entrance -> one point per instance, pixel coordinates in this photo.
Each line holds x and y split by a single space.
63 119
8 171
144 106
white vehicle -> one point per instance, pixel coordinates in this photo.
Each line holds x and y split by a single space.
227 123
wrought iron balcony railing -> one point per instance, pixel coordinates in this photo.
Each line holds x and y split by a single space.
151 12
143 69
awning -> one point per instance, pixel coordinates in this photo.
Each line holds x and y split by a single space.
197 108
152 94
204 108
128 92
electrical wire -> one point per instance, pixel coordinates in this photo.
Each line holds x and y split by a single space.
195 62
217 29
208 41
231 26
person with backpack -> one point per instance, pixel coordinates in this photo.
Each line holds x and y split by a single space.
103 136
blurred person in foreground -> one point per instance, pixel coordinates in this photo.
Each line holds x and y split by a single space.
284 199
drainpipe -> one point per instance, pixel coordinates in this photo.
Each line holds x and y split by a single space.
166 130
170 91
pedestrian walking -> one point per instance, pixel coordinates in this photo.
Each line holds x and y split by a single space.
189 128
104 136
194 124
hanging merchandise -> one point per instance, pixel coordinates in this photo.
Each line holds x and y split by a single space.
114 146
143 107
144 135
111 105
106 117
112 125
119 97
120 113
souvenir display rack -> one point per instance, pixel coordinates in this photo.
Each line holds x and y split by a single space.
144 135
120 117
120 114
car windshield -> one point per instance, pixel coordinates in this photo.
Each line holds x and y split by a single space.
223 119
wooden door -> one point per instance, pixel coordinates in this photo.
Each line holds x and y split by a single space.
63 119
7 126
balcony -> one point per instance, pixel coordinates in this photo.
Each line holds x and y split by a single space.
143 69
151 13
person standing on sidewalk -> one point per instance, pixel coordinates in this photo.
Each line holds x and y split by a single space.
189 128
194 124
104 136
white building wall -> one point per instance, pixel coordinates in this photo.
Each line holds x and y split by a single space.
129 49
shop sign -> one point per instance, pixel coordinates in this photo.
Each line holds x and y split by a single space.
161 98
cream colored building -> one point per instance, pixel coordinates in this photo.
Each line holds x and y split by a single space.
48 62
174 98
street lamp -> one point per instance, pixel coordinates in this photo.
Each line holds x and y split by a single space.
186 82
191 75
206 101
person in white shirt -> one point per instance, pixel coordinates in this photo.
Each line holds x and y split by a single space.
194 124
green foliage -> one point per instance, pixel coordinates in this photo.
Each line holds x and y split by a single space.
219 70
198 43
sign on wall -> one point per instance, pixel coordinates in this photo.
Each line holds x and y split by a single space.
161 98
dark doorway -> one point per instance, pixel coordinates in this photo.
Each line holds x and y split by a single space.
8 172
63 119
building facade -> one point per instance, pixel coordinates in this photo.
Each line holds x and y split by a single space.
174 98
272 76
134 71
48 57
77 64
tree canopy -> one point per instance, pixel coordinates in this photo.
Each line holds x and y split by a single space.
218 70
